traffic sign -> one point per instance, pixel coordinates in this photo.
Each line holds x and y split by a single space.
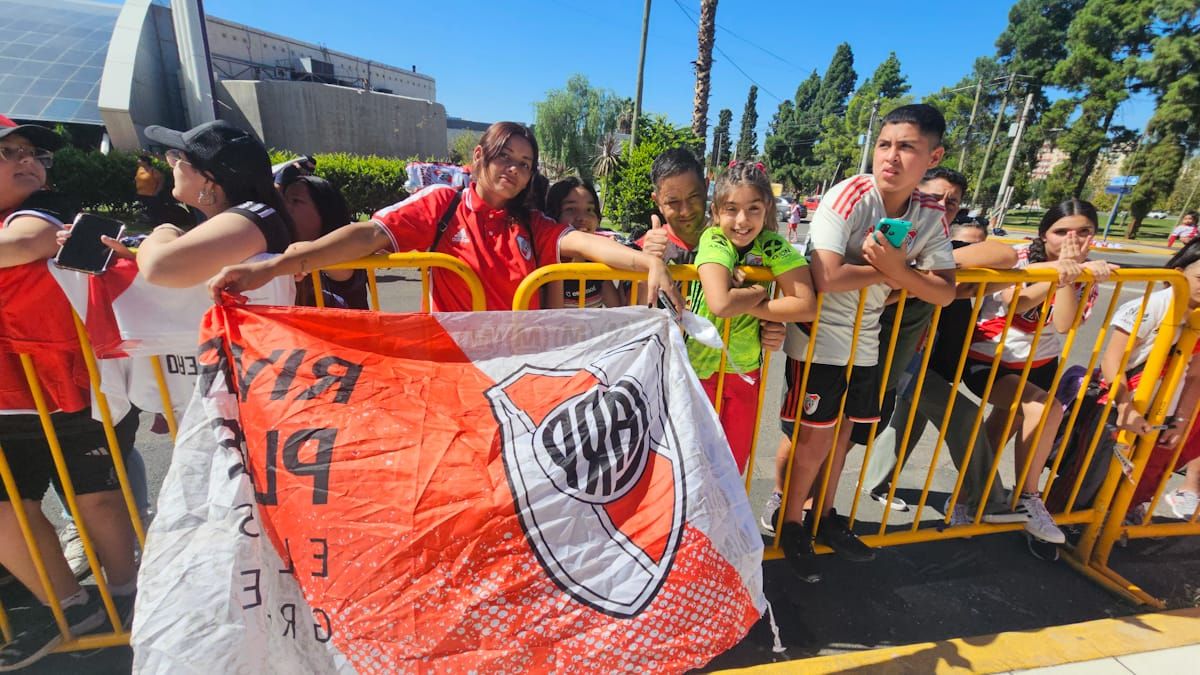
1123 181
1117 189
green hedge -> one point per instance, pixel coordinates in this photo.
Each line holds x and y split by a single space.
97 182
368 182
93 181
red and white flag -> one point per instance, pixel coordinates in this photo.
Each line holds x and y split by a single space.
487 491
126 316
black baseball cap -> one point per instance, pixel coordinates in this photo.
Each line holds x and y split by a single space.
41 137
225 151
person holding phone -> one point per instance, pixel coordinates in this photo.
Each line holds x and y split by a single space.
848 255
33 311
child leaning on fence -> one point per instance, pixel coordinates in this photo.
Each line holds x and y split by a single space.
849 254
1121 385
743 233
1064 239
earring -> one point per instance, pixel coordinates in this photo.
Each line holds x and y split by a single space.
206 197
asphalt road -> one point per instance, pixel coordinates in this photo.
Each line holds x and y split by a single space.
910 593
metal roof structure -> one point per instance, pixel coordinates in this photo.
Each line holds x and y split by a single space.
52 57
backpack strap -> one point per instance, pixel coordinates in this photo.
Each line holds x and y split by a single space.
444 222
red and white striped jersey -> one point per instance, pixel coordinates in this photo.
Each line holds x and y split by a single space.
848 214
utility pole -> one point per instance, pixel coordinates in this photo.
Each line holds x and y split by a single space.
1002 199
862 164
987 154
962 158
637 99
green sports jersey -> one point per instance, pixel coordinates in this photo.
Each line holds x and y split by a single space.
769 250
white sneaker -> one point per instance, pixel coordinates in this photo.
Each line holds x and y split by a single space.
1017 515
1041 523
1183 503
770 512
72 547
896 504
961 516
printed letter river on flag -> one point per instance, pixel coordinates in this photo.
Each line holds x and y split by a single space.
489 491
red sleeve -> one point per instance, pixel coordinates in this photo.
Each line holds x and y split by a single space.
546 235
411 223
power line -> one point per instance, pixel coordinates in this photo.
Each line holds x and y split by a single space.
726 56
760 48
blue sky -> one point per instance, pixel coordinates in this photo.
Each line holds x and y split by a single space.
493 60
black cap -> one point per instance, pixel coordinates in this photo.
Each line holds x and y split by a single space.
41 137
220 148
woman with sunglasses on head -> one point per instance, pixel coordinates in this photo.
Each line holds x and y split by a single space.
492 225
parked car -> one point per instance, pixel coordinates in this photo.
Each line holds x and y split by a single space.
1158 214
812 203
782 208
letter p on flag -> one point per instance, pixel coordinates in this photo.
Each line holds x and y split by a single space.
500 494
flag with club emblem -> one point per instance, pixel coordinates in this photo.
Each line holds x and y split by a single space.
487 491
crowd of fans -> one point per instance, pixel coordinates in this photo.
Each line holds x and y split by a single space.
875 235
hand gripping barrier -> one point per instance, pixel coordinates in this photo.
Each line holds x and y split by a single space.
1101 514
120 635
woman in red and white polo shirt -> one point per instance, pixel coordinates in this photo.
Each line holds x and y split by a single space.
494 229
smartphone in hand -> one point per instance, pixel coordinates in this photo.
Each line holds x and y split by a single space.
895 230
84 252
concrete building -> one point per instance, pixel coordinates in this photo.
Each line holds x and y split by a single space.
1048 157
127 68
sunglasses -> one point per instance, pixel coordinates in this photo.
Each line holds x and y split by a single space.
174 157
17 153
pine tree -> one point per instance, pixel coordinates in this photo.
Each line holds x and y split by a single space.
838 82
1173 131
722 143
747 145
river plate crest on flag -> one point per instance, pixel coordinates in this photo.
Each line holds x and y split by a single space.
489 491
596 474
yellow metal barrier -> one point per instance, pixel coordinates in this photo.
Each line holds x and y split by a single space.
424 262
1090 518
1115 526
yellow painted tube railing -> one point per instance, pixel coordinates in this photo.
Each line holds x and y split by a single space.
424 262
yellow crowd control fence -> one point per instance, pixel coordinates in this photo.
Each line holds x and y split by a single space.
119 635
1095 515
1101 521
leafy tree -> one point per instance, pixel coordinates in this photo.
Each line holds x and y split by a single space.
839 150
747 144
1104 43
570 122
462 147
838 82
956 102
722 143
704 38
629 200
794 129
1173 132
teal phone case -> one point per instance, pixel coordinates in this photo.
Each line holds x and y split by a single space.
895 230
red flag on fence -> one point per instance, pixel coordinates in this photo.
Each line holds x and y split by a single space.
486 491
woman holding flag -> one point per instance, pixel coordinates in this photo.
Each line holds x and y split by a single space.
491 225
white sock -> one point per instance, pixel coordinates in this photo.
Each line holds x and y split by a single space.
123 589
78 598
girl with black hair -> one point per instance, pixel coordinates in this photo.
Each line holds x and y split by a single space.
1154 317
574 202
492 225
318 208
1064 238
226 174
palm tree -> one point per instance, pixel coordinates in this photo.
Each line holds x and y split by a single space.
705 38
608 159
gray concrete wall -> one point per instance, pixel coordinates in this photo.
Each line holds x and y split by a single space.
140 85
310 117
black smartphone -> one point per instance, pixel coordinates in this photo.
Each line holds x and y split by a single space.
84 252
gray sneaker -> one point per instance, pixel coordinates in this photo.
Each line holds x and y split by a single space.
962 514
1041 524
1183 503
770 513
